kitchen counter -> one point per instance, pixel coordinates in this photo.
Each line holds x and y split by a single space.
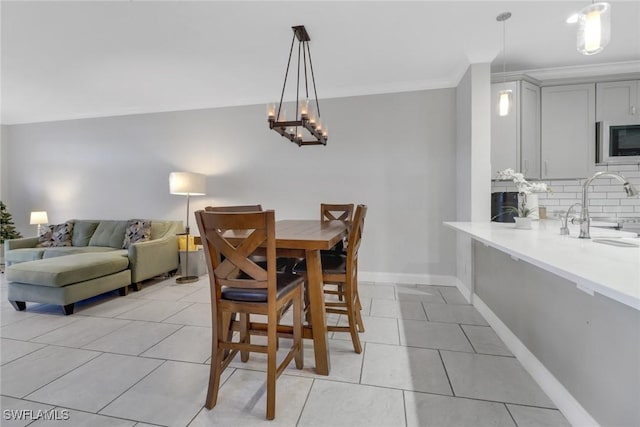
568 309
608 270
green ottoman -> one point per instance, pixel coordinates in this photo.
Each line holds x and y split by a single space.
67 279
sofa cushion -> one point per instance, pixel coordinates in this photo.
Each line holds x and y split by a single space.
138 230
23 255
56 235
71 250
109 233
65 270
82 232
159 229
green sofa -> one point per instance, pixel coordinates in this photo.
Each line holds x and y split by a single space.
94 262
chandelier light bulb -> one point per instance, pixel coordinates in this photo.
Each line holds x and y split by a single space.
304 108
271 111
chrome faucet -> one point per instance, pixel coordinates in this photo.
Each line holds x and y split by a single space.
564 224
585 221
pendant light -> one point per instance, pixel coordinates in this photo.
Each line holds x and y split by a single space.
594 28
505 95
306 128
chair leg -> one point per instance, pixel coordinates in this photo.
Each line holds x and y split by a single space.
272 336
352 314
214 377
358 310
217 359
245 336
359 305
298 303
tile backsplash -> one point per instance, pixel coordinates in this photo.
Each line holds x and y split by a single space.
607 198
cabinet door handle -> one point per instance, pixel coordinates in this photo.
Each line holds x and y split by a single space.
546 168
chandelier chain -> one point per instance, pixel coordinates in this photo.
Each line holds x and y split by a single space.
313 80
285 77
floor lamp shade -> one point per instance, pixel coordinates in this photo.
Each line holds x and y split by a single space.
187 184
38 218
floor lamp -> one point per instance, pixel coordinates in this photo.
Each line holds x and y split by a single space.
187 184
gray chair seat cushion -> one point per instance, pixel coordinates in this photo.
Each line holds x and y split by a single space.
285 283
331 264
65 270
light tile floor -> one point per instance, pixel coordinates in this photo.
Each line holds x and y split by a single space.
429 359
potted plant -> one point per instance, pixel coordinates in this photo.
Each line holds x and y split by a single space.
7 229
522 212
526 198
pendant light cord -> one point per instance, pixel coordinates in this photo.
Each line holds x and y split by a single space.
502 18
504 52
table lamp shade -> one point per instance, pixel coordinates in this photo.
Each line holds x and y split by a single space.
187 183
39 217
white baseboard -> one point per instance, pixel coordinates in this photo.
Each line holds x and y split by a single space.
416 279
466 293
559 395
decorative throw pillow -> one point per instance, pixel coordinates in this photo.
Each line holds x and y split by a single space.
138 230
56 235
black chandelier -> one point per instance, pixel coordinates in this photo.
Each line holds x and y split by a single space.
306 128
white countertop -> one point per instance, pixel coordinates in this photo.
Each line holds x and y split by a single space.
612 271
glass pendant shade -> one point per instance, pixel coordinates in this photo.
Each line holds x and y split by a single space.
504 102
594 31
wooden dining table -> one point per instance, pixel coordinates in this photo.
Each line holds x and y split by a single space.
305 239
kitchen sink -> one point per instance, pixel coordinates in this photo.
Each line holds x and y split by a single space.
618 242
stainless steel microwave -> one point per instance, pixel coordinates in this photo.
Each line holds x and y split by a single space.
618 142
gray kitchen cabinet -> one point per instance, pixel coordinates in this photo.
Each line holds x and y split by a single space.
515 138
618 100
568 131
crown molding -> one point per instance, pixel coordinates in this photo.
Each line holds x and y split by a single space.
600 72
629 70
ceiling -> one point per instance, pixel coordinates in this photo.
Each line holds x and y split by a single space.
65 60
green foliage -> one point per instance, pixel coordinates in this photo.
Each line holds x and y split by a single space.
7 229
521 211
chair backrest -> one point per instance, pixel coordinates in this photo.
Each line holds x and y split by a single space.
250 231
332 212
355 238
338 212
243 208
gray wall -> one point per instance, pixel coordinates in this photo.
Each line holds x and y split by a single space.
394 152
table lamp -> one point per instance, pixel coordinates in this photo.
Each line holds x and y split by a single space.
39 218
187 184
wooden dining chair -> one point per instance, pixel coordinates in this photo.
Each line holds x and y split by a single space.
239 285
337 212
343 270
283 264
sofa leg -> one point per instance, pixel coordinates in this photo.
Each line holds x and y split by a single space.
19 305
68 309
124 291
137 286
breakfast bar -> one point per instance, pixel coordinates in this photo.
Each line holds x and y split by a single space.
568 308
